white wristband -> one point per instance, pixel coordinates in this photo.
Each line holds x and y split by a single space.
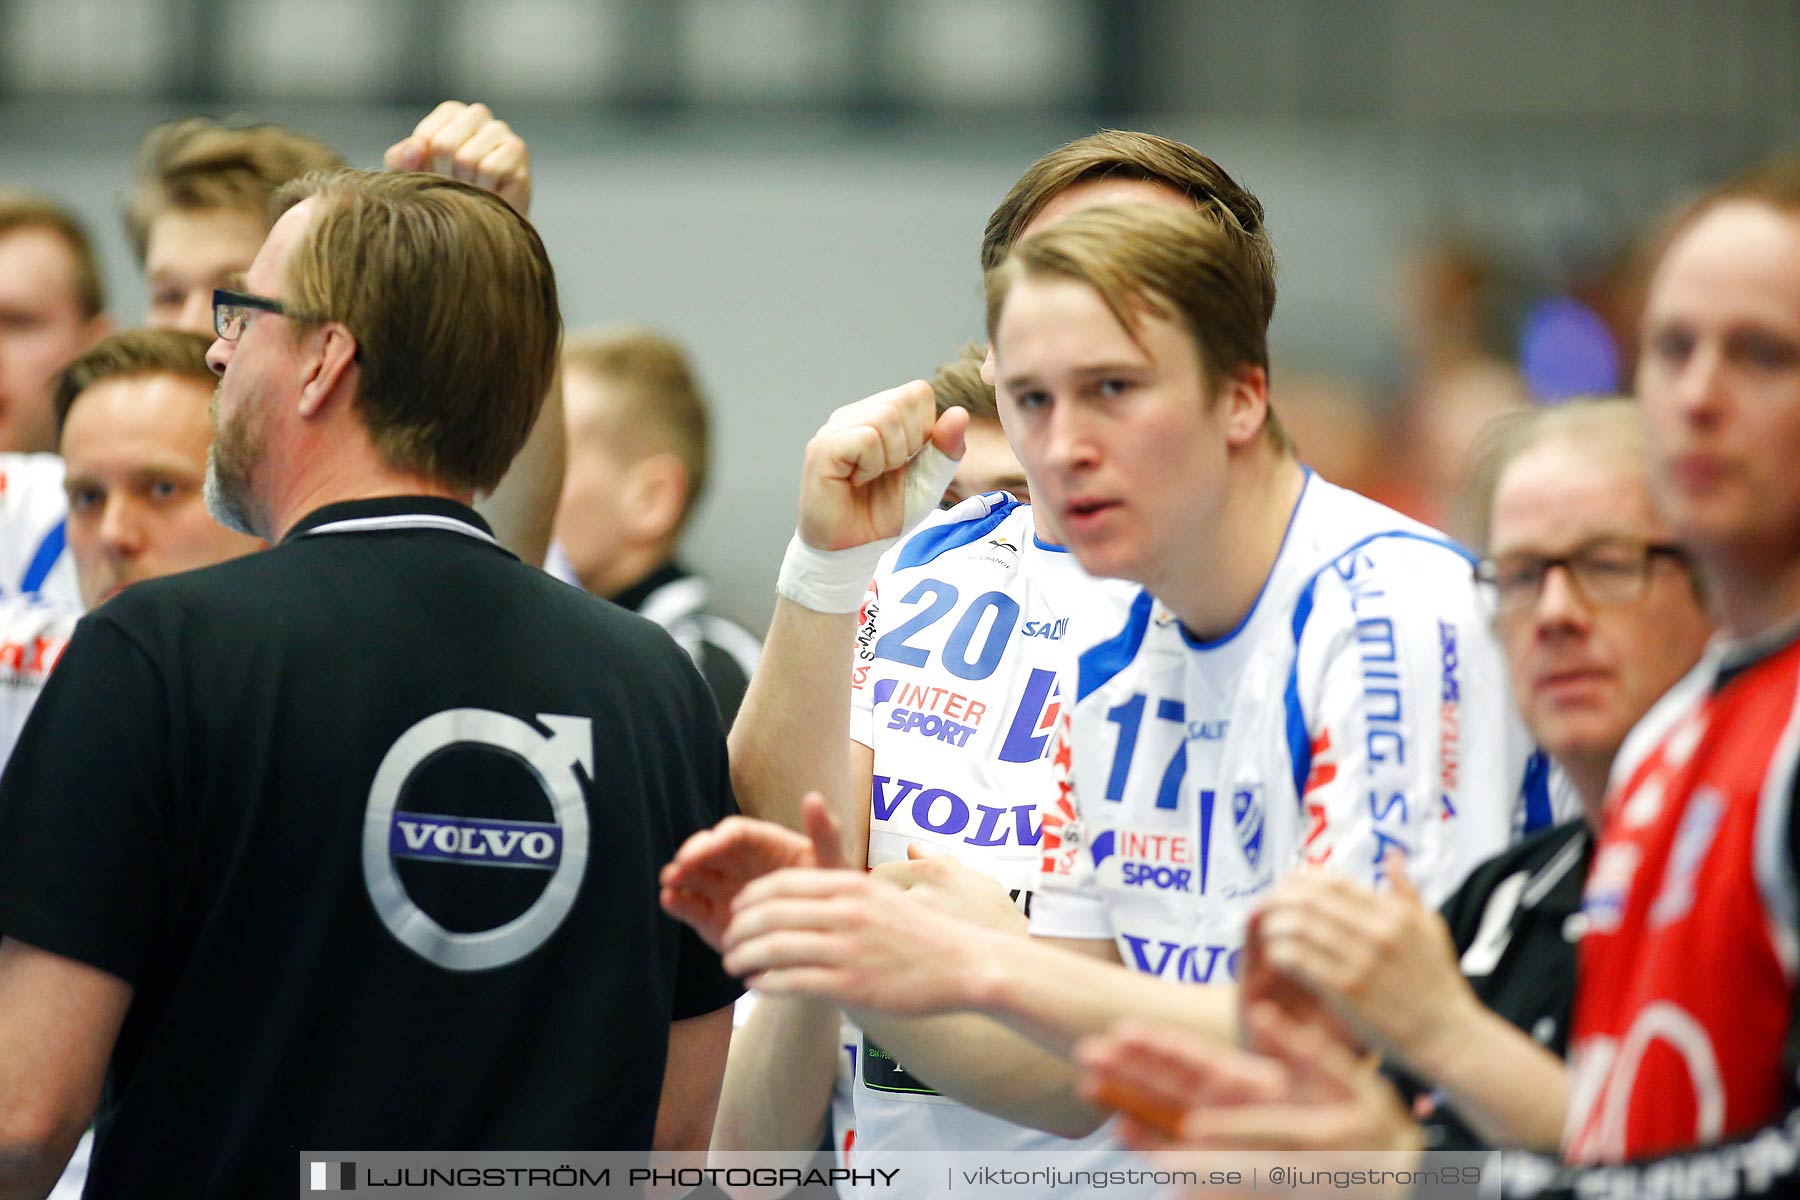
829 581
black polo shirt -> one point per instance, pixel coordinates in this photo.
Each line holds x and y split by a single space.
371 821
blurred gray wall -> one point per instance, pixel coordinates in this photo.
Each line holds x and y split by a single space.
797 188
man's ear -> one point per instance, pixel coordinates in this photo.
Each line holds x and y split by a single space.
330 357
1245 395
656 496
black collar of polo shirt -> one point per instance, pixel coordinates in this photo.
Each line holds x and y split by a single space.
388 506
634 596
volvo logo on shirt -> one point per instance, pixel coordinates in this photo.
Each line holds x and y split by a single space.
559 847
941 811
470 840
1185 962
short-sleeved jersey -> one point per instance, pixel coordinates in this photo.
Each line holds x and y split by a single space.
33 512
33 633
1360 710
963 661
1685 998
371 822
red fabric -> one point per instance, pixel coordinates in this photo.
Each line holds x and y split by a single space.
1684 1003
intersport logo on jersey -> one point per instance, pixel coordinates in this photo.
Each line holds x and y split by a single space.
1145 859
933 712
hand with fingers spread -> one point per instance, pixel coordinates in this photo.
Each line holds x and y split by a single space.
467 142
714 865
1383 962
855 939
953 887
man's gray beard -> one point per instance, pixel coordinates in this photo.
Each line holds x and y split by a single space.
224 504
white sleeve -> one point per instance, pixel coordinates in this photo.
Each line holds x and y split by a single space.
1067 902
1418 750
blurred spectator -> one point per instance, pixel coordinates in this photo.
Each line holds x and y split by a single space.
1456 377
199 209
1335 428
135 429
638 451
136 434
51 309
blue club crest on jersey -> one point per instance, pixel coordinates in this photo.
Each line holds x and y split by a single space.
1247 819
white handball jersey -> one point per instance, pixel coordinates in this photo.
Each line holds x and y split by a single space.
33 633
964 658
963 662
33 510
1360 710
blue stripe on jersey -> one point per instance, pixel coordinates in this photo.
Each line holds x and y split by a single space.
1100 663
932 542
1298 739
1537 794
48 551
1041 544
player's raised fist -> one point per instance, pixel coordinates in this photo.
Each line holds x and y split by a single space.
876 466
467 142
